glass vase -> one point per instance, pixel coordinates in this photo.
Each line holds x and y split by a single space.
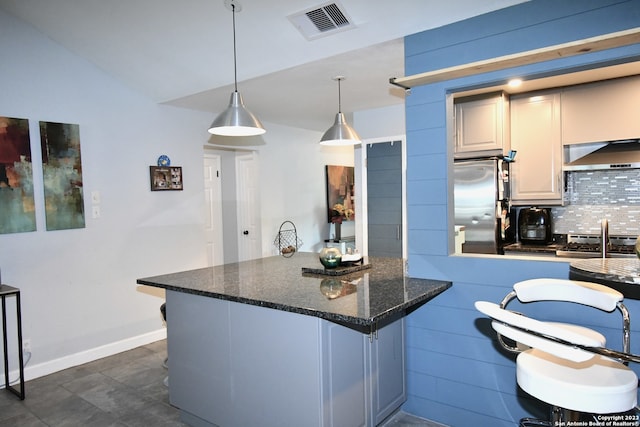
337 231
330 257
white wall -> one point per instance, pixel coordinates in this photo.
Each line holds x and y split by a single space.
380 122
79 296
292 173
78 286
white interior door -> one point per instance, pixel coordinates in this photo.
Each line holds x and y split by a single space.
249 240
213 207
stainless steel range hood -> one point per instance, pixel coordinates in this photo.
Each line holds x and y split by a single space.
615 155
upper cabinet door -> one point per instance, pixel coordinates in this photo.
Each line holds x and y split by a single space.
601 111
482 126
536 175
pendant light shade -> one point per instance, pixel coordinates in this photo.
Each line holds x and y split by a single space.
236 120
340 133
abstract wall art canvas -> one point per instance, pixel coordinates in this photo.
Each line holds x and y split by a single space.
62 174
17 207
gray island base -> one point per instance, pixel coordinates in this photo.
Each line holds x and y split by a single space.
259 343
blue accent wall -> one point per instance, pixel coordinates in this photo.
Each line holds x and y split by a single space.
456 375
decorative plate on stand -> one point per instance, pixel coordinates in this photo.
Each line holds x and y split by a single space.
164 160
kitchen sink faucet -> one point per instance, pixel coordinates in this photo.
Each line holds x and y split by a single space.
604 238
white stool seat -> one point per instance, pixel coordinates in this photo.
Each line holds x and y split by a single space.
598 385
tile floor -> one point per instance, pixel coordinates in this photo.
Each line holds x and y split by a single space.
124 390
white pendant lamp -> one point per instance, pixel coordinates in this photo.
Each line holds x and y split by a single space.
340 133
236 120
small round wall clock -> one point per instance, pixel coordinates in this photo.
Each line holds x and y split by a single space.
164 160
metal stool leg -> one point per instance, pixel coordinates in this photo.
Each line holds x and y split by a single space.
4 292
165 363
533 422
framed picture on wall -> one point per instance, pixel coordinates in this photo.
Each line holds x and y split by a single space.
165 178
340 194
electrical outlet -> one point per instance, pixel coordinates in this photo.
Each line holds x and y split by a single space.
26 346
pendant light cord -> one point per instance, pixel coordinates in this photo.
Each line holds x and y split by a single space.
235 66
339 97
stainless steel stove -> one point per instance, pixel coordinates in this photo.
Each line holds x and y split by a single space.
588 246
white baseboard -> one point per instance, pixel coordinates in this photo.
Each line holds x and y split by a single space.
40 370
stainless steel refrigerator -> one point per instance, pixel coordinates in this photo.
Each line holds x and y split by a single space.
481 200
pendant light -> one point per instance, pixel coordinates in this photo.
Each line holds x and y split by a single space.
340 133
236 120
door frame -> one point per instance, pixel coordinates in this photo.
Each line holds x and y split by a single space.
214 212
232 234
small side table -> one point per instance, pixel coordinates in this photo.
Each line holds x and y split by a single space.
5 291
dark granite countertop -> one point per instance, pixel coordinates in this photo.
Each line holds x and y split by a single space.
622 274
361 299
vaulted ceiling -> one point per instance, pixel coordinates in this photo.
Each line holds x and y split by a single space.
181 52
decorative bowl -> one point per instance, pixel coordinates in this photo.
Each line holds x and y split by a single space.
330 257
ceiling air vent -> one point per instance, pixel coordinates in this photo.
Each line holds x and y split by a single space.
321 21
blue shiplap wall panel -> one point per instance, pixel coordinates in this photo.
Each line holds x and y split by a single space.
426 141
430 190
456 374
427 167
527 15
430 114
527 26
427 210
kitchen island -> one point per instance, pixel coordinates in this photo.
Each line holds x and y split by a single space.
262 343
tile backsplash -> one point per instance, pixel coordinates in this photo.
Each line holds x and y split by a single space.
593 195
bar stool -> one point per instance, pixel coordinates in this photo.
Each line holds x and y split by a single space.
6 291
552 364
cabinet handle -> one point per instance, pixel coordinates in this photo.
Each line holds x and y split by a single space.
373 333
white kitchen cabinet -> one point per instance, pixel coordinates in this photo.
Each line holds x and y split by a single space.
601 111
234 364
355 363
482 126
536 175
386 369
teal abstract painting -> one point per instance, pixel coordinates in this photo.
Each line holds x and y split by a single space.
62 174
